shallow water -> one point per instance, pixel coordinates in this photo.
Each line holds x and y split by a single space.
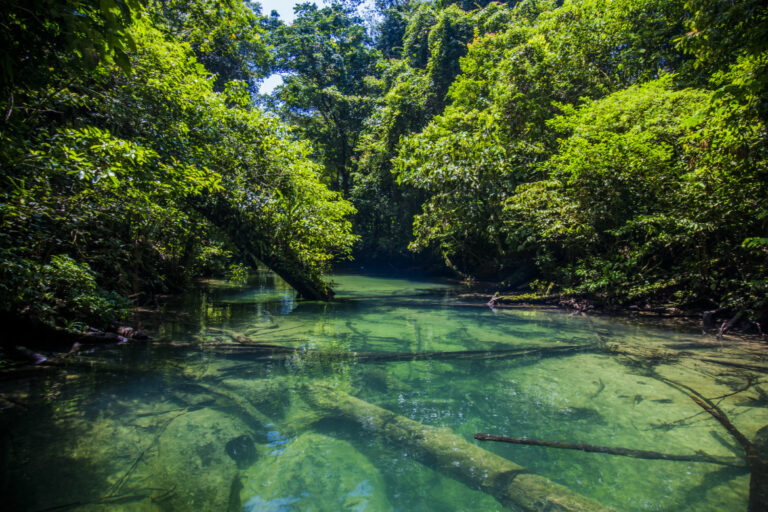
145 426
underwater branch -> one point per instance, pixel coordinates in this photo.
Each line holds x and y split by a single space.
625 452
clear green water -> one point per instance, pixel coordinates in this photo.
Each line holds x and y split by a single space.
144 426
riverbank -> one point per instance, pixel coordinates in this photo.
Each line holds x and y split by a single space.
719 322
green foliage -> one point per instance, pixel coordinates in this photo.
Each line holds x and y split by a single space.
447 44
436 161
493 136
226 36
69 290
719 30
566 144
416 37
330 57
385 209
112 169
391 30
415 90
611 203
60 293
729 41
237 274
40 37
611 148
649 198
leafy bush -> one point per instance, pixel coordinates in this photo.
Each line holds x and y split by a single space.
237 274
61 293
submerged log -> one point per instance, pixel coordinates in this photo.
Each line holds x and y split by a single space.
609 450
557 351
255 350
644 355
511 484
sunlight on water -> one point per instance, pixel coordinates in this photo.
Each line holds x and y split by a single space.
238 405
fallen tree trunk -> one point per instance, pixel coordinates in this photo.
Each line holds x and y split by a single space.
511 484
256 351
626 452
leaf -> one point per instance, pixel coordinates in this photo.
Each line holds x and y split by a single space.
107 9
755 243
122 61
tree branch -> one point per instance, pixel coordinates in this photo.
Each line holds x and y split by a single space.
625 452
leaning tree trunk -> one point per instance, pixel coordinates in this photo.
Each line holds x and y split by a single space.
250 238
511 484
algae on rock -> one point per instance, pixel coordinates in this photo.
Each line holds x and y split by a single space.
315 472
192 459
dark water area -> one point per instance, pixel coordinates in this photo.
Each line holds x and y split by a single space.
219 412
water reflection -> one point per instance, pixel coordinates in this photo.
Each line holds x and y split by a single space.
146 426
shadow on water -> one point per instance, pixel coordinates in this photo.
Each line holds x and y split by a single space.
37 449
154 426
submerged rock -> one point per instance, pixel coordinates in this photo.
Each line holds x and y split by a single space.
242 451
259 504
193 461
314 472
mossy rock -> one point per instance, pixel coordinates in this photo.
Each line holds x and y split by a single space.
192 457
314 472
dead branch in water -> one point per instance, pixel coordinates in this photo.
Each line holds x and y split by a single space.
625 452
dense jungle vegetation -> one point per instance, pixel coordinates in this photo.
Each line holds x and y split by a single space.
616 149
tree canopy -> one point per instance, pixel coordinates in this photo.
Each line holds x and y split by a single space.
115 179
615 149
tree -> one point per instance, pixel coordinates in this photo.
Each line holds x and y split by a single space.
391 30
493 136
41 38
329 57
414 92
226 36
385 209
107 180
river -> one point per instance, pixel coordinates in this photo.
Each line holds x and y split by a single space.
215 413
